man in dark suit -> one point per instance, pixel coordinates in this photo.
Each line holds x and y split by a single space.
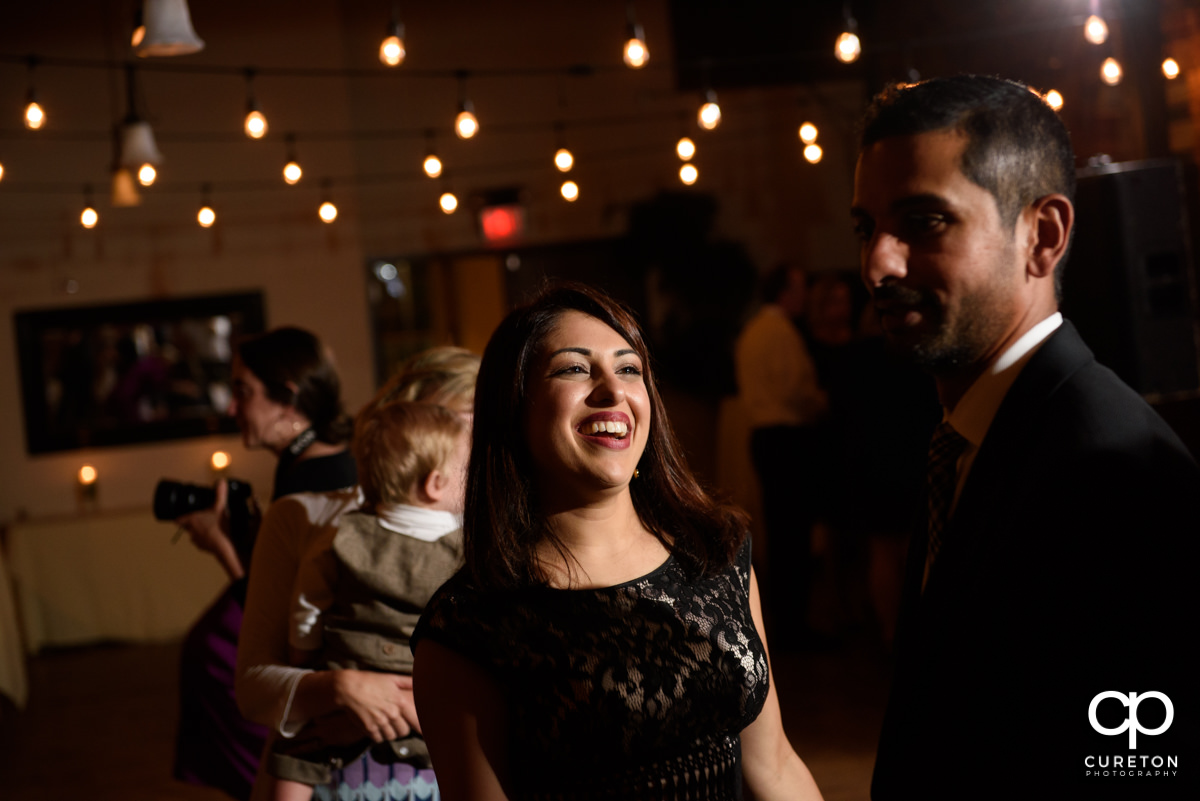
1055 565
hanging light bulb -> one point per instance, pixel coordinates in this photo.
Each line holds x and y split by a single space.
139 29
1054 99
808 133
206 216
448 202
636 55
465 124
564 160
813 153
292 172
685 148
1170 68
147 174
327 211
137 150
88 217
569 191
256 123
432 166
847 48
1095 30
1111 72
1 172
688 174
35 117
391 49
710 113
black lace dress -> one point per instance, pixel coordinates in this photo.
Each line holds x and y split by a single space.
636 691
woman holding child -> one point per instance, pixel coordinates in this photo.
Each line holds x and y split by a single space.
604 639
305 563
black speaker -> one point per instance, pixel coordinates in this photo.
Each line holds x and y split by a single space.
1129 286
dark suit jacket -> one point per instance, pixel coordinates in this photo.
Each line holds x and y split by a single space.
1067 570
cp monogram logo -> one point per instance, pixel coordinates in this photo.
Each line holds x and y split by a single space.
1131 723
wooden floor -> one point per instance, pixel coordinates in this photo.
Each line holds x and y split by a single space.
100 723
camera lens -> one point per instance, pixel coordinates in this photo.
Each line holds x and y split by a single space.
174 499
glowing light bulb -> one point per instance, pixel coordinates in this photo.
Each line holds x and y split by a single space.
1170 68
206 217
813 153
220 460
391 51
88 475
256 125
569 190
448 202
685 148
1111 72
564 160
35 117
710 113
432 166
808 133
139 33
847 48
89 218
1095 30
1 172
636 54
147 174
1054 99
465 124
328 211
688 174
292 172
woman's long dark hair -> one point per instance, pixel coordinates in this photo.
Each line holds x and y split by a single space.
293 355
503 521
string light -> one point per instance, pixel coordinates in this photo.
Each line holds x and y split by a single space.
465 124
635 54
569 191
35 115
685 148
391 49
206 216
1054 99
564 160
848 48
256 123
432 165
292 172
813 153
808 133
1111 72
327 211
88 217
709 115
1095 30
688 174
448 202
1170 68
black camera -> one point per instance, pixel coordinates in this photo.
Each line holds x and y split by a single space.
174 499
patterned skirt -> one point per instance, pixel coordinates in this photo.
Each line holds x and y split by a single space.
368 780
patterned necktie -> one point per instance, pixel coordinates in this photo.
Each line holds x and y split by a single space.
941 479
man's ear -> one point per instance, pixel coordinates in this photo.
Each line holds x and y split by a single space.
1052 217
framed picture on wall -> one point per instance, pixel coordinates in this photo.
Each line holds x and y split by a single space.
97 376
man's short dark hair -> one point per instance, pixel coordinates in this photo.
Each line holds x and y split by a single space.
1017 147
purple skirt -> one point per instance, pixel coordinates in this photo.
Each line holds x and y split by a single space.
216 746
367 780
